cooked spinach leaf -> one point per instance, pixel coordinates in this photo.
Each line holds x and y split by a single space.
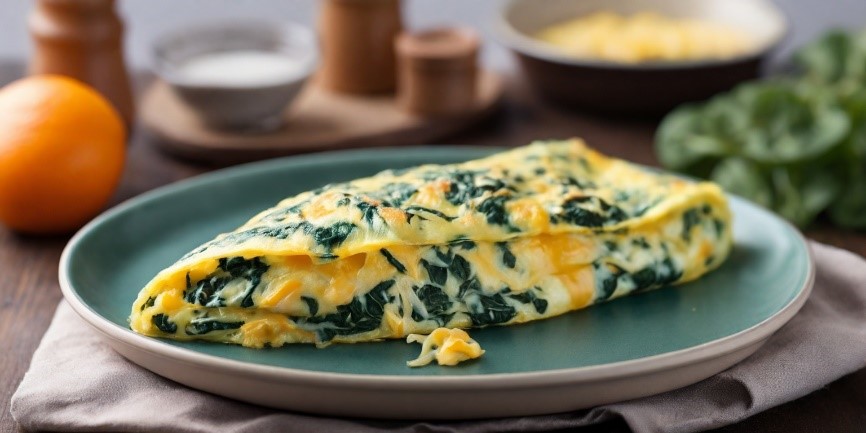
460 268
656 275
470 285
589 211
465 244
327 237
484 309
719 225
412 209
494 210
528 297
369 212
163 323
436 274
333 235
508 258
207 325
393 261
468 185
148 303
207 291
312 305
691 218
436 303
607 278
640 242
394 194
570 181
489 309
363 314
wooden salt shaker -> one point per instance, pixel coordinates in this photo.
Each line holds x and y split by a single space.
82 39
357 43
437 71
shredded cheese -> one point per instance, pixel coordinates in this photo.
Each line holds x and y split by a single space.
446 346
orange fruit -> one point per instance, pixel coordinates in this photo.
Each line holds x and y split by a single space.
62 149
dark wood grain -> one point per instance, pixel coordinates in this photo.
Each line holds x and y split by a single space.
29 291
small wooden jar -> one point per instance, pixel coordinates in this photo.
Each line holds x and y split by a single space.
357 44
437 71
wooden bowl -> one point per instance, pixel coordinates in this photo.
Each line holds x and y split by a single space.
638 88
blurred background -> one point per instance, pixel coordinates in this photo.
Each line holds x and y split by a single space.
145 20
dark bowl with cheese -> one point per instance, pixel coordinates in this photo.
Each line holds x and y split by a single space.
639 88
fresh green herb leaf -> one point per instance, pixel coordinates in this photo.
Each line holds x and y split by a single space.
744 178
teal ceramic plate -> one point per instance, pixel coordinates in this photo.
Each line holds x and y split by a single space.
627 348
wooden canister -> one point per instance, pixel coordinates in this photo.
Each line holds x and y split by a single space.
82 39
357 44
437 71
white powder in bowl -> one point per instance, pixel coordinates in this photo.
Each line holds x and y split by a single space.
245 68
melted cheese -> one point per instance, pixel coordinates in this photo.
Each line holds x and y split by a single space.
519 236
446 346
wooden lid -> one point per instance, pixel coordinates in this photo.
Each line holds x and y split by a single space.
441 48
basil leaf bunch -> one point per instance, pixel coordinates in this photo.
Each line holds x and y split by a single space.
849 209
795 145
836 60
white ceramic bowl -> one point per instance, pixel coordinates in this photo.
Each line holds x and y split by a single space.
237 105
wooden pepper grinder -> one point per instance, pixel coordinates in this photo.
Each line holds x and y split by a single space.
357 38
82 39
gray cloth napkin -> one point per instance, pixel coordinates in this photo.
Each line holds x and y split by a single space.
76 383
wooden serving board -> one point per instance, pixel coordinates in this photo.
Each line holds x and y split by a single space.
318 120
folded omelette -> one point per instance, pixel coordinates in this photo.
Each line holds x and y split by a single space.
522 235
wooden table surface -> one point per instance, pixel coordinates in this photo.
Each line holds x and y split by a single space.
30 292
